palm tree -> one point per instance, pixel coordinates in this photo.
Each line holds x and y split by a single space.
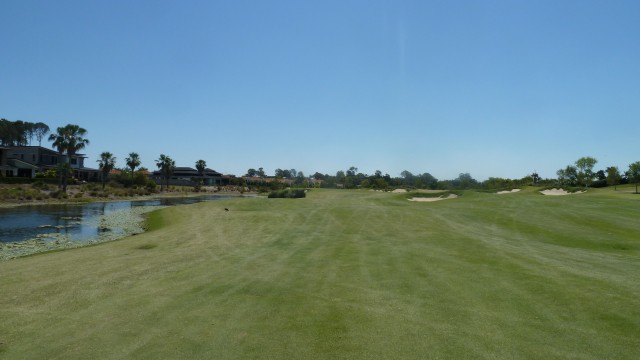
106 163
68 141
165 165
133 161
201 165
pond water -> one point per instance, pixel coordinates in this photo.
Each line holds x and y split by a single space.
30 229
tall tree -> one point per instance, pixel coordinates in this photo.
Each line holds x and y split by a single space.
68 140
133 161
634 173
40 130
15 133
106 163
166 165
585 170
261 173
613 176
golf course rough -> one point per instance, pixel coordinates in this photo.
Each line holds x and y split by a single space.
342 275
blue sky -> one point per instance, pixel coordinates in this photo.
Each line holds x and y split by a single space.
493 88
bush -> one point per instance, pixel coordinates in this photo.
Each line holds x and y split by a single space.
15 180
288 194
151 186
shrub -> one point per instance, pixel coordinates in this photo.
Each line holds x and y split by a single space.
288 194
150 185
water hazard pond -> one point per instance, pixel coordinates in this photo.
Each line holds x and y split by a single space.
30 229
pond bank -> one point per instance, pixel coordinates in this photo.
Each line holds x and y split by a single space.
29 229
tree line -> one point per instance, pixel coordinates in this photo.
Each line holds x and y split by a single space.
352 178
70 139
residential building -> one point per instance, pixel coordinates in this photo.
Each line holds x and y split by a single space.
26 161
188 176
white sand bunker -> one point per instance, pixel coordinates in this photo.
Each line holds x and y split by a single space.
559 192
431 199
508 191
399 190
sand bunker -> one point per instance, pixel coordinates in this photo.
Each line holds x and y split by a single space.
399 190
559 192
431 199
508 192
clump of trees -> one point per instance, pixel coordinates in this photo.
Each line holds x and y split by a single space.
21 133
581 174
166 165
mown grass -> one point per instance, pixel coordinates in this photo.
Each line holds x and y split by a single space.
343 275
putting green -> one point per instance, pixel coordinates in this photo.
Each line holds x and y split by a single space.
342 275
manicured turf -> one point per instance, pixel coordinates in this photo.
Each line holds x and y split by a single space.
343 275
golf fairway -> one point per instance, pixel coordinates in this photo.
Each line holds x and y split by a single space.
342 275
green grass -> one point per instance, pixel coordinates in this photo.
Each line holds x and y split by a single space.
343 275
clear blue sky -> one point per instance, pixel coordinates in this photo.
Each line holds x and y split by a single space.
493 88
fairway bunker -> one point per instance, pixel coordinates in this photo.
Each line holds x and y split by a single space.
432 199
559 192
508 191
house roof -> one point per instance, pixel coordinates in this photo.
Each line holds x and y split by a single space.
41 148
189 171
21 164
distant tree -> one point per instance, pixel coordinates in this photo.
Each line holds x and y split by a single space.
568 176
585 165
68 140
279 173
535 178
133 161
465 181
261 173
40 130
251 172
352 171
407 178
106 163
634 173
318 176
292 174
166 165
613 176
201 165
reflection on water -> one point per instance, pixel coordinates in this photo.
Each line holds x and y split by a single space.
77 222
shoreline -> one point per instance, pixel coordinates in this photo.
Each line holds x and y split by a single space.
125 222
89 200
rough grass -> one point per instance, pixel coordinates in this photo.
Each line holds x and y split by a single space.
342 275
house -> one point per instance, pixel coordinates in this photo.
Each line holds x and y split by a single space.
26 161
188 176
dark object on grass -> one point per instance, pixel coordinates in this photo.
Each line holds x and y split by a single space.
225 209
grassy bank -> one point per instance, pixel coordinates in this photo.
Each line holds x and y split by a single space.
342 275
